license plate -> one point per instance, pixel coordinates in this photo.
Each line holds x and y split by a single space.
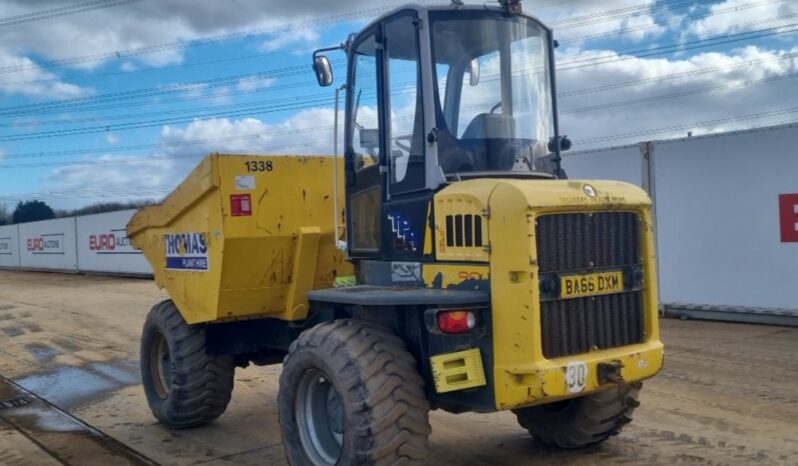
589 284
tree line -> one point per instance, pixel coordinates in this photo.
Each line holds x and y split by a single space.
35 210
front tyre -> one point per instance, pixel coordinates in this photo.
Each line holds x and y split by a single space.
184 386
583 421
350 394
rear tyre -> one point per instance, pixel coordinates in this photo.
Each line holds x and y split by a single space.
350 394
584 421
184 386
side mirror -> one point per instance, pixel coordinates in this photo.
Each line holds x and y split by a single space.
323 69
473 72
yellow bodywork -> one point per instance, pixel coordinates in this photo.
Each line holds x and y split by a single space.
249 236
522 375
257 264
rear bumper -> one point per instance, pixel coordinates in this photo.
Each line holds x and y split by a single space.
567 377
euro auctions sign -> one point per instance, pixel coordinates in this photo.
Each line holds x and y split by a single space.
46 244
186 251
112 242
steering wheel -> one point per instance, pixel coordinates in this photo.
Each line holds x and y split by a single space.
496 107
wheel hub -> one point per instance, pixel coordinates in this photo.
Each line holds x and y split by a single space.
319 414
161 366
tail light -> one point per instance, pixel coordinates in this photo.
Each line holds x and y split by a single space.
457 321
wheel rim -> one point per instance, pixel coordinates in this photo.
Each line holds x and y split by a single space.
320 417
161 366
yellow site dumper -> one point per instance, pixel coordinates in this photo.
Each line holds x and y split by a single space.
445 261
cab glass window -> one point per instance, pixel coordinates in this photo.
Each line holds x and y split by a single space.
406 109
365 120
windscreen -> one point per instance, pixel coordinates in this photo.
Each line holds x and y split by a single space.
494 92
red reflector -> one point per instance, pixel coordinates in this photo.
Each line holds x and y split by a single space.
456 321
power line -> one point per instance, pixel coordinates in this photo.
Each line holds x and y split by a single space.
138 191
294 104
161 145
62 11
135 125
172 88
208 40
160 91
621 13
681 19
562 95
569 65
164 121
573 22
691 92
679 47
151 68
166 157
751 116
757 115
181 65
673 76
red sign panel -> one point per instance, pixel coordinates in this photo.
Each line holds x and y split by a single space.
240 204
788 212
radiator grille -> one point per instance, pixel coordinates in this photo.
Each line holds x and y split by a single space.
574 326
585 241
580 242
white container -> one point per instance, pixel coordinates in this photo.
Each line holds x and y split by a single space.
9 246
103 245
718 228
624 163
49 244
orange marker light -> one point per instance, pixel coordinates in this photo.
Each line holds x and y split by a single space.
456 321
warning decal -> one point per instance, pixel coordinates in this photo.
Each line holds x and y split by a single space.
240 204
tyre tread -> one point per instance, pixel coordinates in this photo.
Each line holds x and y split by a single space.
202 384
391 421
591 419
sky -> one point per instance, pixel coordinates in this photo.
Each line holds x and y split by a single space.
116 100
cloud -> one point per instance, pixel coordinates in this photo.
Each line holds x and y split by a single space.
148 23
302 36
306 132
584 18
724 79
254 83
114 176
743 15
190 89
33 81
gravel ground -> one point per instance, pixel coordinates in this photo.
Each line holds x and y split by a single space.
69 351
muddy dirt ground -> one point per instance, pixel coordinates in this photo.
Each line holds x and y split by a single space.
71 395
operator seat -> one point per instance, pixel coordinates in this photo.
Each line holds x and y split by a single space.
490 126
486 144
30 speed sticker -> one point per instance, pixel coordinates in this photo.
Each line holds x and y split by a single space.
576 376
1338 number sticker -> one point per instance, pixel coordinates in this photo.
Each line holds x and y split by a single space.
259 165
